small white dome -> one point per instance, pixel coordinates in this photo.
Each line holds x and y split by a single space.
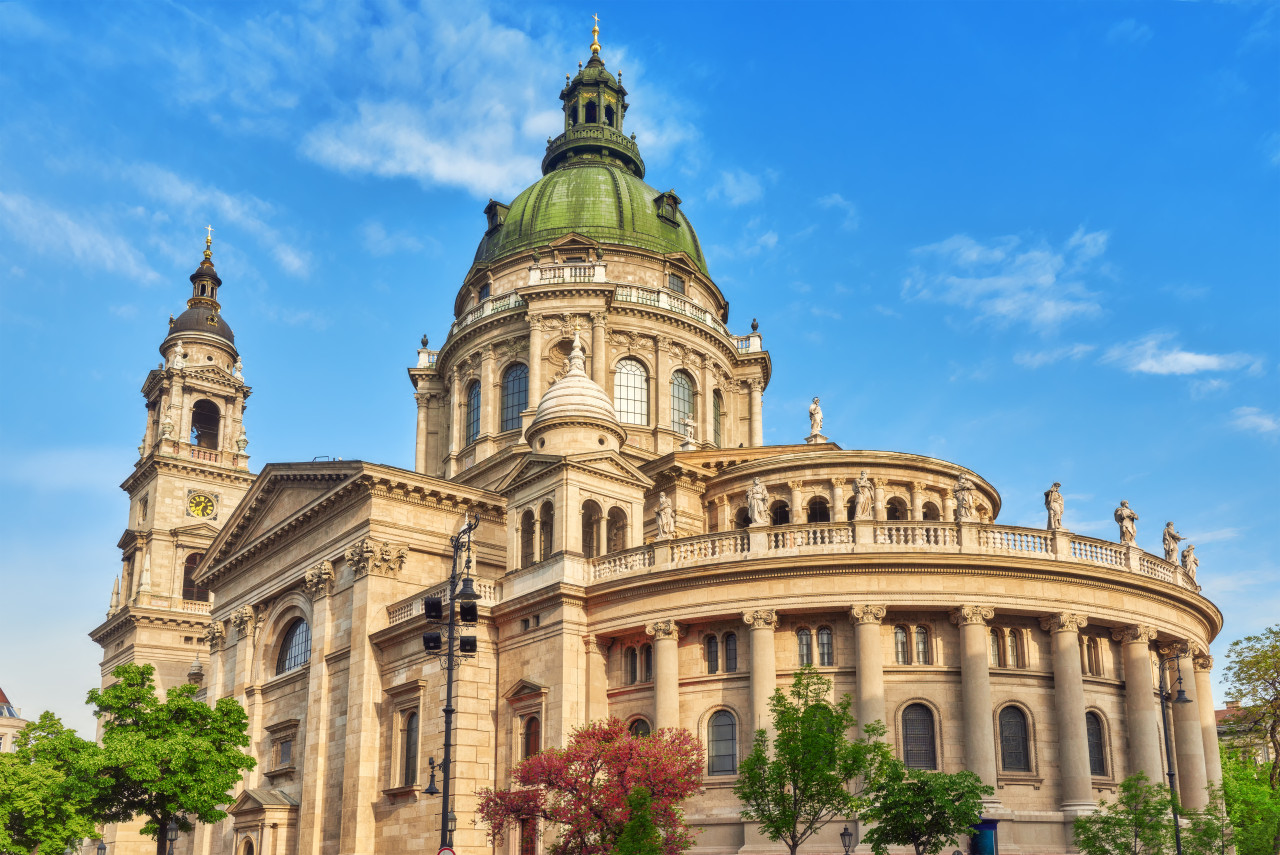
575 400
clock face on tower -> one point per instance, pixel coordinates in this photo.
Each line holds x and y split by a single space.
201 504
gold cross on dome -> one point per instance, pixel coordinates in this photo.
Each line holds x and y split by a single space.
208 241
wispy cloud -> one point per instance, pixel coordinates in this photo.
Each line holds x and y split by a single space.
1038 359
1218 534
1010 280
80 237
737 187
1156 354
1129 31
379 242
1255 420
834 201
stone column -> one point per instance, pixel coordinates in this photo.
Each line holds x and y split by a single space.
662 383
535 361
1188 740
917 500
1068 691
975 692
797 503
866 633
420 447
880 484
455 410
599 352
837 500
597 687
489 394
1203 664
949 507
1140 707
666 672
757 425
764 673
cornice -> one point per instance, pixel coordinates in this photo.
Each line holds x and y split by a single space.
131 617
155 464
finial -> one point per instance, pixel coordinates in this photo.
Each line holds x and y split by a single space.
424 342
567 79
755 325
595 36
208 244
577 359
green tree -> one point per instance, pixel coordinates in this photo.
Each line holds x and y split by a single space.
1209 831
167 761
815 770
1138 822
639 836
1254 808
44 798
1252 676
927 810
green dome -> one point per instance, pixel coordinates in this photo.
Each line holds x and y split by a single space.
601 200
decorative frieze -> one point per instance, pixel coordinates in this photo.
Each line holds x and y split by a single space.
245 620
965 615
215 635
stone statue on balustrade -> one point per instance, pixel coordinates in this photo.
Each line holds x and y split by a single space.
688 443
666 518
1128 521
864 498
815 418
179 360
237 370
758 503
1189 560
1054 505
1171 541
966 504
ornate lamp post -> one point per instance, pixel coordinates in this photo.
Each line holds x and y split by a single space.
172 835
847 840
462 591
1181 698
102 847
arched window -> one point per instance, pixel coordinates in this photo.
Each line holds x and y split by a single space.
713 654
922 646
742 519
532 736
410 749
205 421
631 392
804 644
919 750
546 520
1014 657
895 509
900 652
247 849
590 529
617 530
473 413
681 400
717 417
930 512
528 529
573 115
515 395
633 666
608 115
730 652
1097 746
779 513
1015 755
646 663
722 744
295 647
819 511
995 648
190 590
826 647
591 113
640 727
1093 659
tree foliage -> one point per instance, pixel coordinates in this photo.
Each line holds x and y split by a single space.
639 836
1254 808
913 807
1138 822
1252 676
583 787
44 795
815 772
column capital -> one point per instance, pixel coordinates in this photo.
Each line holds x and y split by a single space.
598 319
597 645
864 613
761 619
1136 633
319 580
1063 622
918 486
964 615
756 384
1176 648
662 630
216 635
1200 659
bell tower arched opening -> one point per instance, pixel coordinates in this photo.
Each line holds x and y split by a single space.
206 420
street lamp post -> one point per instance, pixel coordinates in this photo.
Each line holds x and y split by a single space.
1181 698
172 834
462 591
847 840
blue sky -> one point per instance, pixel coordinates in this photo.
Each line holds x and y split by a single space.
1041 240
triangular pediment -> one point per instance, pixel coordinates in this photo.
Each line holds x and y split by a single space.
251 801
610 463
530 468
196 531
572 241
524 688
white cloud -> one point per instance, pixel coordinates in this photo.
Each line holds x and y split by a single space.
835 201
1208 386
379 242
1009 280
1217 534
1255 420
1153 355
82 238
737 187
1041 358
1129 31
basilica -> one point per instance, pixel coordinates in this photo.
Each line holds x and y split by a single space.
640 553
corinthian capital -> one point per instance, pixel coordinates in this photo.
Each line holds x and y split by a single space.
1202 661
665 629
761 619
1176 648
972 614
867 614
318 580
1137 632
597 645
1063 622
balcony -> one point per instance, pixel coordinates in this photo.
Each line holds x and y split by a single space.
661 298
409 607
501 304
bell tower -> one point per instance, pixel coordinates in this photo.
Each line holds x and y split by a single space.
192 471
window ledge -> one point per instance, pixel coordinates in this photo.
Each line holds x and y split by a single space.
282 772
409 792
1018 779
719 782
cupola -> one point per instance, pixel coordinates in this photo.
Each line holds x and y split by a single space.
575 415
204 313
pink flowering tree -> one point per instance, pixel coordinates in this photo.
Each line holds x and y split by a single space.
582 789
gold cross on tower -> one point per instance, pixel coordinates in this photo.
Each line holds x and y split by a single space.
208 241
595 35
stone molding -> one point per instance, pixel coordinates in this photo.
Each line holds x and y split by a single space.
1064 622
245 620
1176 648
381 559
965 615
597 645
319 580
867 613
666 629
761 619
1137 632
1201 661
215 635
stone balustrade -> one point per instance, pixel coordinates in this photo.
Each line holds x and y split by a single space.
662 298
508 302
196 607
409 607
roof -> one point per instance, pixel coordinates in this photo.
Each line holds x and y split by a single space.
197 319
6 708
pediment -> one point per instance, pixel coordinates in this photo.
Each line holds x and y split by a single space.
196 530
573 240
524 688
251 801
683 259
531 467
612 464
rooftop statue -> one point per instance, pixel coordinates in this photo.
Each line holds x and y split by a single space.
666 518
1054 505
1171 541
1128 522
815 418
865 497
965 505
758 503
1189 560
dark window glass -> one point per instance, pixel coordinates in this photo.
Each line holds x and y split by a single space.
532 736
190 590
295 648
633 666
713 654
631 392
826 648
1097 748
922 646
717 418
205 421
528 528
804 641
819 511
473 413
1014 753
1015 658
780 514
410 749
681 400
515 395
730 652
590 529
528 837
918 750
646 663
674 282
640 727
284 753
484 293
995 648
722 744
900 654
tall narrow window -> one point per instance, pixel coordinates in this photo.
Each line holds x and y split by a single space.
1097 748
826 648
205 421
922 646
532 736
295 647
819 511
528 530
616 536
473 413
730 652
780 514
1014 753
900 654
713 654
717 417
410 750
681 400
646 663
590 529
722 744
919 750
190 590
675 283
631 392
995 648
515 395
1015 654
804 641
633 666
529 827
546 522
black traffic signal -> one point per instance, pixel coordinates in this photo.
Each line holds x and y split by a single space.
433 608
431 642
467 612
467 644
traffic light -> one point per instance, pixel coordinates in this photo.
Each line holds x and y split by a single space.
433 608
431 642
467 612
467 644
